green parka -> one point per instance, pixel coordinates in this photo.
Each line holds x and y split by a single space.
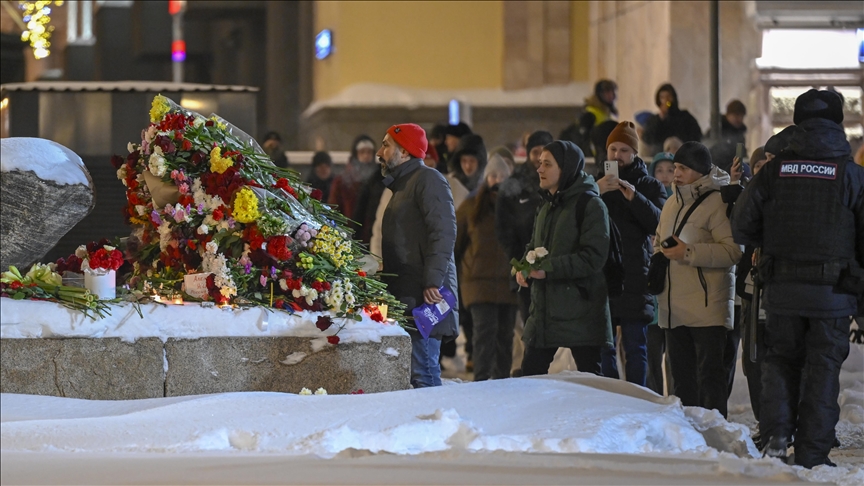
570 306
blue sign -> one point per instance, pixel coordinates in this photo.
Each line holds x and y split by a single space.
453 108
860 45
323 44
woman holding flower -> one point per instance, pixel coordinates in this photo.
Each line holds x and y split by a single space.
569 303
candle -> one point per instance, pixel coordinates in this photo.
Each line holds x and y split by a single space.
178 300
383 309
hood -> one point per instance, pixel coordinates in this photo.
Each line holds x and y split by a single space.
634 171
711 181
470 144
819 139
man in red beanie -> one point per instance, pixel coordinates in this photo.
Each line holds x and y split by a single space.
418 236
634 200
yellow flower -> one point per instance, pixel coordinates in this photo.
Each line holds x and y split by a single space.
218 123
218 163
159 108
246 206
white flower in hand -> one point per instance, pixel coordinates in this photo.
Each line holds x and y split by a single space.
531 257
541 252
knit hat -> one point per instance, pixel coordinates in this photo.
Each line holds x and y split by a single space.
570 160
540 137
819 104
624 132
411 137
695 156
459 130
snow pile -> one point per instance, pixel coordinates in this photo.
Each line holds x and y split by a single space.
35 319
49 160
566 414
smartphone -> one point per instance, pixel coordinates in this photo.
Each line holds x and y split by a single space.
739 152
669 242
610 167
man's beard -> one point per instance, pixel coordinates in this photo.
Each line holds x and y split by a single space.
387 167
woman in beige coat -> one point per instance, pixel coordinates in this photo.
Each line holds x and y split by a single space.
696 306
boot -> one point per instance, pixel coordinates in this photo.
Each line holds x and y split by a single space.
777 447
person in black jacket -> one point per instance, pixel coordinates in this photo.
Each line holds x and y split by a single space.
634 200
670 122
518 200
805 210
418 236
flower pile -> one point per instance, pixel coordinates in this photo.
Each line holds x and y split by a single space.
203 198
42 282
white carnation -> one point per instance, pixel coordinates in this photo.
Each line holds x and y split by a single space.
212 247
81 252
203 229
157 163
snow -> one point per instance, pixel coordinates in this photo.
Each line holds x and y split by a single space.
48 160
21 319
373 94
606 428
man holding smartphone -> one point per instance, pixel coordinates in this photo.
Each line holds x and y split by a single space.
634 200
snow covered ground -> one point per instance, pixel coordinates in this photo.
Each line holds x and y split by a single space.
566 428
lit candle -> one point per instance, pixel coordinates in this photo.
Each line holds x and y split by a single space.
383 309
157 298
178 300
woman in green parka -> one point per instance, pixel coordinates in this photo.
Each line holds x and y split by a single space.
569 303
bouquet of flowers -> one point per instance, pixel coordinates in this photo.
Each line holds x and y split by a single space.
99 258
41 282
204 199
531 261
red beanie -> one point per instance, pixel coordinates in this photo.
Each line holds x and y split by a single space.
411 137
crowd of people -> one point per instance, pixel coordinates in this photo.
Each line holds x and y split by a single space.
713 246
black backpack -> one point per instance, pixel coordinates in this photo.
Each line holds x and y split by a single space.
614 267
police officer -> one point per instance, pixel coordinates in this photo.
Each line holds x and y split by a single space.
805 210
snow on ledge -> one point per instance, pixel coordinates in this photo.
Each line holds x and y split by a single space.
39 319
380 95
48 160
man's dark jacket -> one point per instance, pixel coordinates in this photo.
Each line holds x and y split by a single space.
761 204
418 237
637 222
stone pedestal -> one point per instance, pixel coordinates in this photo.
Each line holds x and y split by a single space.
109 369
95 369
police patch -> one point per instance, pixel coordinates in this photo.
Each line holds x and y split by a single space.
809 169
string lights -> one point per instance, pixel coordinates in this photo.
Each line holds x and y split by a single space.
37 18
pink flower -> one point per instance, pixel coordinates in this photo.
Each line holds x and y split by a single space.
184 188
263 281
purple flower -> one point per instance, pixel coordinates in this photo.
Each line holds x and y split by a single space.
273 272
248 268
154 216
200 208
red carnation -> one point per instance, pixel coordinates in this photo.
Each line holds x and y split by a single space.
361 273
217 214
316 194
333 339
277 246
187 145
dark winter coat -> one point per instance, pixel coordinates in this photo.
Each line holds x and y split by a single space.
367 207
322 185
518 201
678 123
816 140
637 222
561 315
484 266
418 236
470 144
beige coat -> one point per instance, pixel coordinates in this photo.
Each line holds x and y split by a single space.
700 289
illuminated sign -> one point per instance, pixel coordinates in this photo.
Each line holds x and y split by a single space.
323 44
